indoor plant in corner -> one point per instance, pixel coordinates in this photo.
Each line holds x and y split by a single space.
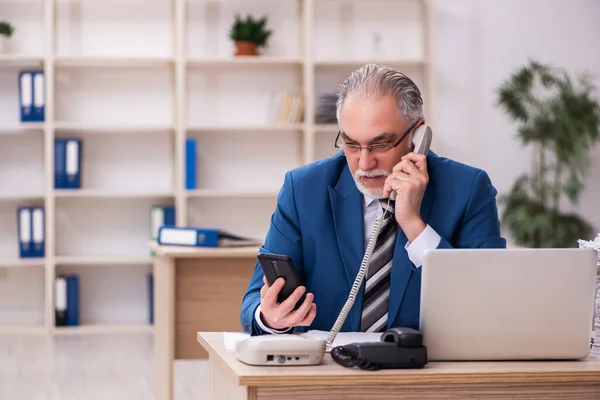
6 32
249 35
558 116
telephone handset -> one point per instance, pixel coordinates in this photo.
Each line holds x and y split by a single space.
421 141
381 355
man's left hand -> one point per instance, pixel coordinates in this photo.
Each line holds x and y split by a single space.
409 178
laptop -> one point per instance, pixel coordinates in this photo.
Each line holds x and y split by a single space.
508 304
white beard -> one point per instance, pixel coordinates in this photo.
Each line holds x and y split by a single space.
374 193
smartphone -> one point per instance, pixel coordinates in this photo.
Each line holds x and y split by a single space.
279 265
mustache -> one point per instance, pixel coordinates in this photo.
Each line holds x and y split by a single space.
374 173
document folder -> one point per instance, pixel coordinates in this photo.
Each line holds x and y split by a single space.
39 97
201 237
160 216
25 234
73 163
60 162
26 96
190 164
32 97
39 232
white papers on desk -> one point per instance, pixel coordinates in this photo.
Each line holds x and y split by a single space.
231 338
342 338
595 244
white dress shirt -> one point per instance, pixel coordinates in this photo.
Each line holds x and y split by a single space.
428 239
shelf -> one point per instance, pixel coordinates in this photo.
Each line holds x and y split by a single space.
108 194
22 297
103 128
21 197
245 128
102 329
112 297
124 97
20 61
212 95
244 61
357 63
216 193
21 165
21 129
124 30
22 263
100 260
255 162
111 62
23 329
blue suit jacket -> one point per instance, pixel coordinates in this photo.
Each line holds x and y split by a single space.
318 222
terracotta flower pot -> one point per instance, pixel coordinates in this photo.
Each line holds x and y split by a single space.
246 49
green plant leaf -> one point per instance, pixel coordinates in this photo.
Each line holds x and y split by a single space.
6 29
250 29
560 116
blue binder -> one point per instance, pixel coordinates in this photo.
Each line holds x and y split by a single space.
32 98
60 162
190 164
38 232
72 300
26 96
201 237
24 223
67 163
39 97
73 163
169 216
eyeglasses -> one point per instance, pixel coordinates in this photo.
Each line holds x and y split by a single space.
377 147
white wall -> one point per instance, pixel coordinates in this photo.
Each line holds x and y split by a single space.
479 44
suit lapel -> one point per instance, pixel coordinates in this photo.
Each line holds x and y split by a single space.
402 267
347 208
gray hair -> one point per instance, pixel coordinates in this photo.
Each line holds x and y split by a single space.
373 80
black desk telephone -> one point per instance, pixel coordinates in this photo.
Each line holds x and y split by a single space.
399 348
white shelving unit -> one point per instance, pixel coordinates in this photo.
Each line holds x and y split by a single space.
133 79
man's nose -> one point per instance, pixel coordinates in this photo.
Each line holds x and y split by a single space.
366 160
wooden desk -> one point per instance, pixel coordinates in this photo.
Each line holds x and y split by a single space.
233 380
195 289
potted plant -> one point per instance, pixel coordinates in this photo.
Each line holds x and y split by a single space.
249 35
560 118
6 32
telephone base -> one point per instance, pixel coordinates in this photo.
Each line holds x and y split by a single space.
381 355
280 350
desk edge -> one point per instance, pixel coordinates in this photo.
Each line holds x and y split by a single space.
413 377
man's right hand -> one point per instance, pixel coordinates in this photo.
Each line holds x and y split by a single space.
282 315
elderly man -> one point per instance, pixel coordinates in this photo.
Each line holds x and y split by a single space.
326 211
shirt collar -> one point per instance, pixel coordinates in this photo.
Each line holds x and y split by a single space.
368 200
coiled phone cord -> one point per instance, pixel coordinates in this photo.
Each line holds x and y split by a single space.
359 278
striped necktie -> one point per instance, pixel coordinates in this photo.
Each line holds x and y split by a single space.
377 287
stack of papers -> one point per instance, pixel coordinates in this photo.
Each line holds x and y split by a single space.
595 244
342 338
